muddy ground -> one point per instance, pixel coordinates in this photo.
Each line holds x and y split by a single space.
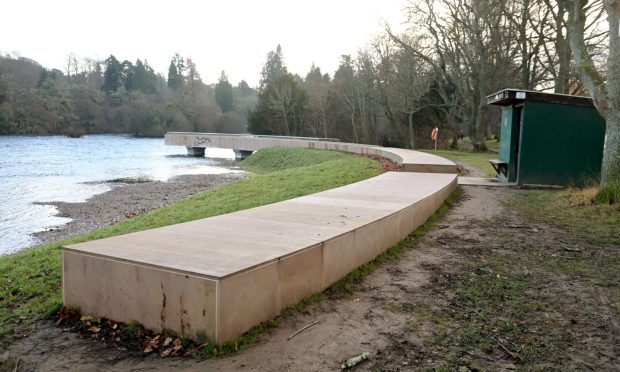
412 313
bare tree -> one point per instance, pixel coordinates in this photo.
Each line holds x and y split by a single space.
317 86
288 100
466 48
411 84
70 61
365 95
344 88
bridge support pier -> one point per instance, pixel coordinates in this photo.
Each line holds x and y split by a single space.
242 154
196 151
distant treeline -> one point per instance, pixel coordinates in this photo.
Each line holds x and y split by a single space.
393 92
438 72
110 96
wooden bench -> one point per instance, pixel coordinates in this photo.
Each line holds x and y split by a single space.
501 167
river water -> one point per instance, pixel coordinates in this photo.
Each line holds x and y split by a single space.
41 169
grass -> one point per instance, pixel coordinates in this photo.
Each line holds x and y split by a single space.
30 281
596 255
477 160
506 296
573 209
609 194
277 159
492 145
494 311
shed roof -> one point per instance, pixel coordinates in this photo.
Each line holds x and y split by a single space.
510 96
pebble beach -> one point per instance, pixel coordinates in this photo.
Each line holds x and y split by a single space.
128 199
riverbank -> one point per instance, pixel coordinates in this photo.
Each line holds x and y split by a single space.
39 170
129 198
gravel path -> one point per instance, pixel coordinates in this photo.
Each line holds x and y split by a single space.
127 200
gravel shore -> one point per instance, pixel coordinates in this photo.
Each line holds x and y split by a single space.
126 200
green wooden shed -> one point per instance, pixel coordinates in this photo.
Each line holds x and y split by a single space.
548 139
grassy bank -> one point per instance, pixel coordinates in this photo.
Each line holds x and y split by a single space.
30 281
479 160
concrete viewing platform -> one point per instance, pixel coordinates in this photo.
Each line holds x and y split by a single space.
217 277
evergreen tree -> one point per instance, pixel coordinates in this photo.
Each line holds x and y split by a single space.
224 93
112 77
143 78
192 79
272 68
128 75
3 89
244 89
282 102
175 72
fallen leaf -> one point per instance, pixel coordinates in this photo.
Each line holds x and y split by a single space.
176 353
94 329
86 318
178 344
167 341
148 349
165 353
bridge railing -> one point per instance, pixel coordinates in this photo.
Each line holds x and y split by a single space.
247 135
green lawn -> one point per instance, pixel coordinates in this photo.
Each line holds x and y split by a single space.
478 160
492 145
30 281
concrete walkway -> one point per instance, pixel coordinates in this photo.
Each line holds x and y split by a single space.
215 278
484 181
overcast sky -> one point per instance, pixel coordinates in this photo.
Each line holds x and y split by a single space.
230 35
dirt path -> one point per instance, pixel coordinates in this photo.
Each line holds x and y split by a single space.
406 314
365 322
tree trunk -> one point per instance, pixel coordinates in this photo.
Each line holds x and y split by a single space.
476 132
610 172
324 120
411 137
287 131
562 48
610 169
353 123
606 95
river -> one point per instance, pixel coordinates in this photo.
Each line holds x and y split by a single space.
40 169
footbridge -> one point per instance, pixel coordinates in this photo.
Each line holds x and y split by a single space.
217 277
244 145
